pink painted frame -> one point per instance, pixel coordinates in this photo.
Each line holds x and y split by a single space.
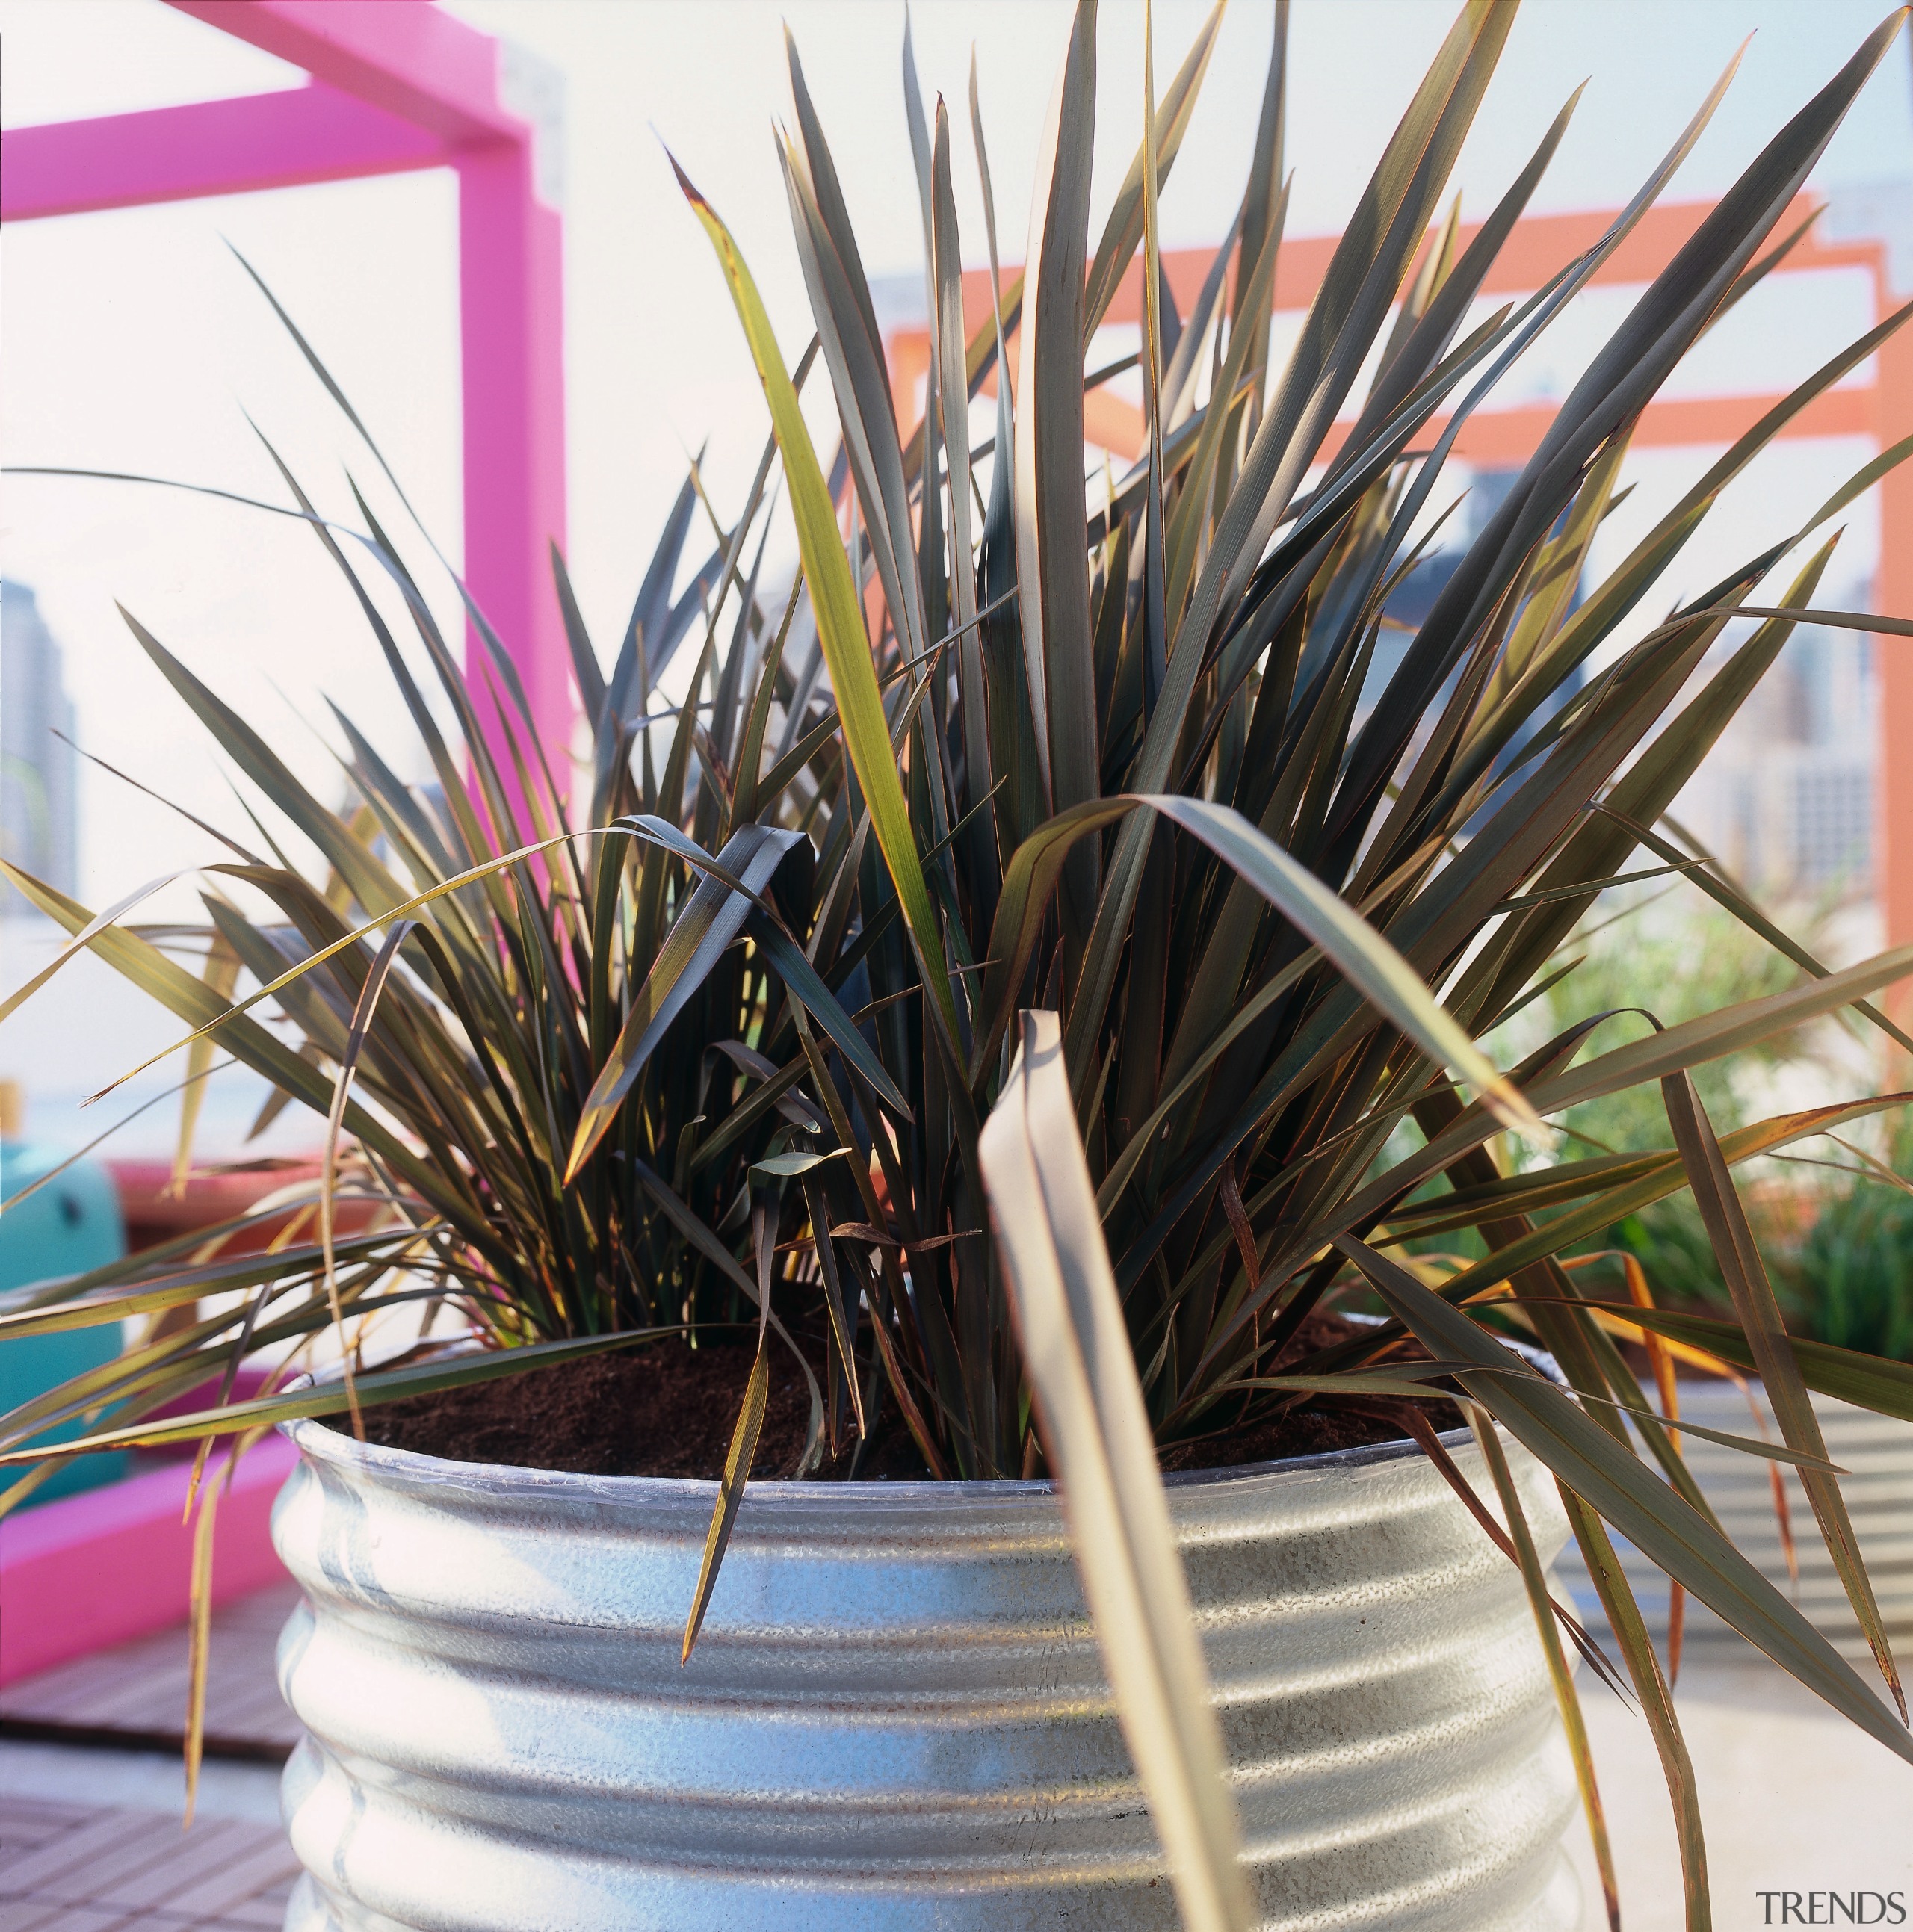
111 1565
396 85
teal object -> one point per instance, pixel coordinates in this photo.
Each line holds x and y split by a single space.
70 1225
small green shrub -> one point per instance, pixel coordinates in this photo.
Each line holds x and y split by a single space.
1853 1274
1676 963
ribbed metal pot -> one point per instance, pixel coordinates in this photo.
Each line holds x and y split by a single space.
1877 1453
897 1716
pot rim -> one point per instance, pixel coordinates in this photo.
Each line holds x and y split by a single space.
313 1438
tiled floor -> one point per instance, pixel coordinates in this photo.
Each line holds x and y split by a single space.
1791 1796
68 1867
136 1693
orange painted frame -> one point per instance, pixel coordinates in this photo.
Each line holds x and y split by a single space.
1538 246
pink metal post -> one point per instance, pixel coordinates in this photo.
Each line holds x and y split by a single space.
512 328
396 85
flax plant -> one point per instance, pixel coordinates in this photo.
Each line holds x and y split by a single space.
1073 863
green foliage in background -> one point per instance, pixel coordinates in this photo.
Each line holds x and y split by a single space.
1676 957
1852 1273
1841 1245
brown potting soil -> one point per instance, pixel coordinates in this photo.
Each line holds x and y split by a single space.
1311 1428
667 1410
662 1411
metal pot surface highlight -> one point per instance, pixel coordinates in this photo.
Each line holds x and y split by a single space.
897 1716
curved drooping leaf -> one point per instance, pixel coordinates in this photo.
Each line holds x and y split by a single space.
1077 1345
1610 1480
1359 952
1868 1382
375 1386
1761 1320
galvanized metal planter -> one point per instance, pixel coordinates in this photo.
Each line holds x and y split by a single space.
896 1716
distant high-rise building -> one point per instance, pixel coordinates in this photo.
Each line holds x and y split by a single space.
1785 798
39 805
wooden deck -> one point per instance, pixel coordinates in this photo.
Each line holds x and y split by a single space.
69 1868
66 1867
134 1696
